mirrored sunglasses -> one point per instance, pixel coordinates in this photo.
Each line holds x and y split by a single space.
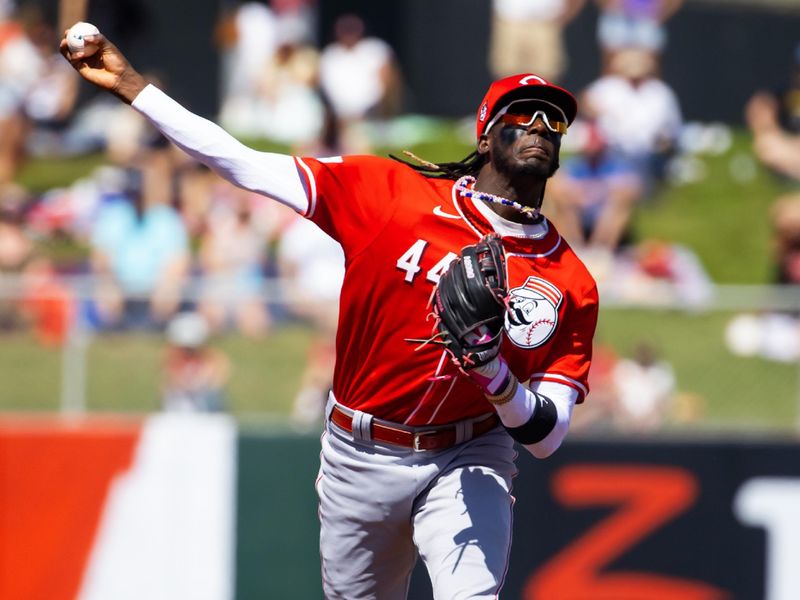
527 120
518 114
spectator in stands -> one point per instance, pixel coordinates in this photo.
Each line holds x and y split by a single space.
247 37
16 251
787 110
194 375
312 264
634 24
140 249
297 19
774 122
359 77
785 218
50 102
528 36
289 107
658 273
47 303
595 193
776 148
195 188
271 71
645 390
637 112
20 67
632 395
232 253
31 293
774 335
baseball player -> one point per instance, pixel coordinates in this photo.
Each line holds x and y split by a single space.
418 454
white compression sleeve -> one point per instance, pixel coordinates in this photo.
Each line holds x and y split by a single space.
519 410
267 173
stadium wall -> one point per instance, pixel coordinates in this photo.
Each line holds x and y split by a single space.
178 506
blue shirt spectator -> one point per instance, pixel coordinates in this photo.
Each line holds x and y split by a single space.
595 194
140 251
139 248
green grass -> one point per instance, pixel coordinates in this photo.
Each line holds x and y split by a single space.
123 372
723 220
267 373
40 175
731 390
30 375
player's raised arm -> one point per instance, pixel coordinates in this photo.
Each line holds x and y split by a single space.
275 175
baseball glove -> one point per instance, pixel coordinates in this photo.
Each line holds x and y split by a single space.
469 303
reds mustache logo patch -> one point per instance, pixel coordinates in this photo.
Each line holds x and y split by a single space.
532 313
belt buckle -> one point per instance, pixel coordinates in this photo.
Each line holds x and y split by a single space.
416 439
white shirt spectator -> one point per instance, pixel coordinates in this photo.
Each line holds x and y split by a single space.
52 94
318 261
645 392
635 118
353 78
20 67
257 38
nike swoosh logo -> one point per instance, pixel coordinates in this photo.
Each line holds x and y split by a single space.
440 213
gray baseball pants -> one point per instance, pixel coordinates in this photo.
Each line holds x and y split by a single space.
381 507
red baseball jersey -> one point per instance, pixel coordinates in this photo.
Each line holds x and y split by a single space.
400 230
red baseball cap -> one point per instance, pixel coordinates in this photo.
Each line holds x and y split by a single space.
524 86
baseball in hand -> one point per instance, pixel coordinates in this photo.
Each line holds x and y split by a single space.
76 35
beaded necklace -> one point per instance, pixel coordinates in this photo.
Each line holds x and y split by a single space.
465 185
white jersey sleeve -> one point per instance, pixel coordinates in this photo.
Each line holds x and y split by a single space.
267 173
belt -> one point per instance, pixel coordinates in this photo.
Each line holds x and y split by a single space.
439 438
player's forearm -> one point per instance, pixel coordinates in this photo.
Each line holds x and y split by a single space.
539 420
267 173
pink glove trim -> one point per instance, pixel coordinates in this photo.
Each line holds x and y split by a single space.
492 385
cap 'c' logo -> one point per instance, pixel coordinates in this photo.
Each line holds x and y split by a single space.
484 110
527 79
532 313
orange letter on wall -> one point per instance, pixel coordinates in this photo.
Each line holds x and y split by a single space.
647 498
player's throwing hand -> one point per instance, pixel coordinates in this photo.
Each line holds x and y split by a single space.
107 67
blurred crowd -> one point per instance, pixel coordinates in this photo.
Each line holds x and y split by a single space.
773 117
163 244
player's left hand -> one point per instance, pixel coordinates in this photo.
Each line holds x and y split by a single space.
469 303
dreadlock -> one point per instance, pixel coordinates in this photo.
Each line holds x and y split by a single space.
469 165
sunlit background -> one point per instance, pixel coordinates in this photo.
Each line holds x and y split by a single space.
166 340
